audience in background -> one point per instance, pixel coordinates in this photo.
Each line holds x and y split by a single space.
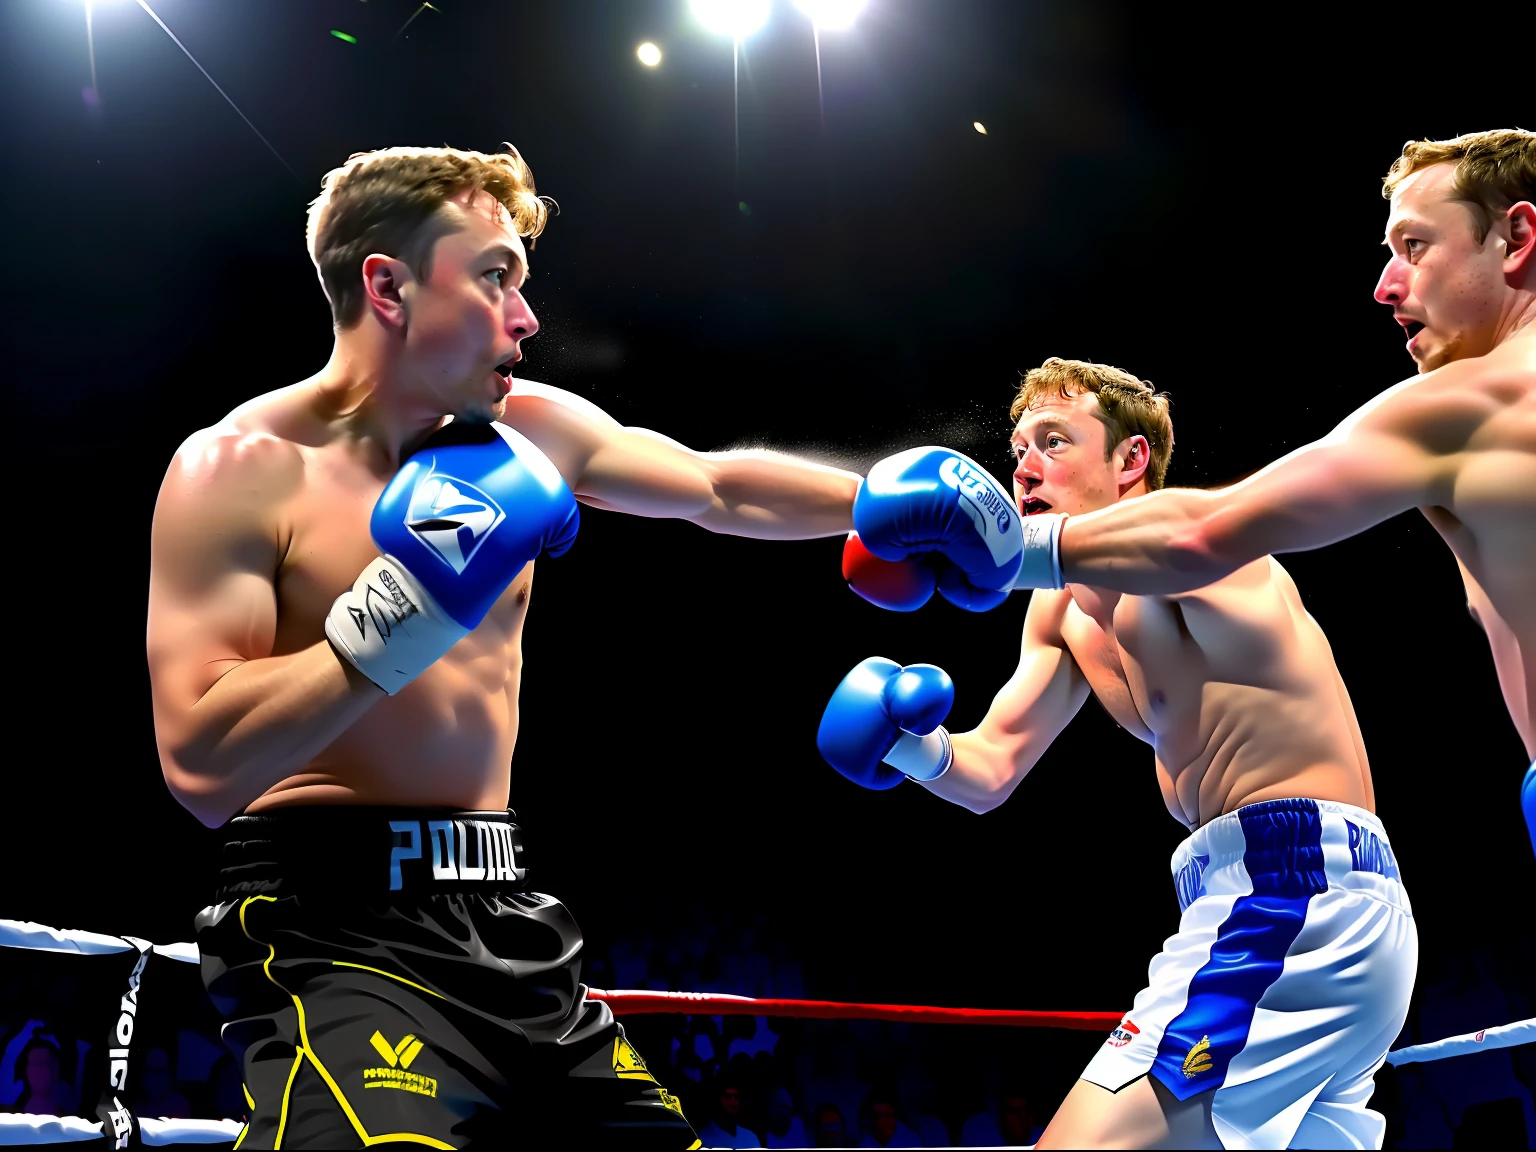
780 1082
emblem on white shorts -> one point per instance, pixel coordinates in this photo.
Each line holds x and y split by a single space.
452 518
1123 1035
1199 1059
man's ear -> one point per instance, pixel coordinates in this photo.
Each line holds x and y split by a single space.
1520 253
384 280
1134 454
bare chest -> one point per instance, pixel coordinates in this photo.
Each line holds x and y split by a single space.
1131 651
324 530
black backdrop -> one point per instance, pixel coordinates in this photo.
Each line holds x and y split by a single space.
1196 202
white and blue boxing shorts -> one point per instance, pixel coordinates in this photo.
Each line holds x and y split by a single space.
1287 980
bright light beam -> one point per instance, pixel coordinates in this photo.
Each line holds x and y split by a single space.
831 13
407 24
648 54
737 19
142 4
90 44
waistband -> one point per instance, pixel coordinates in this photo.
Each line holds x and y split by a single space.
1288 848
368 851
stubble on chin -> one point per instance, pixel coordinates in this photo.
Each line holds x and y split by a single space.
482 412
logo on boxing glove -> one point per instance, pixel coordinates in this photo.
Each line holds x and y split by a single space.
985 504
452 518
375 607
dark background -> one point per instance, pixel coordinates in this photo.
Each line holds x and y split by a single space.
1195 202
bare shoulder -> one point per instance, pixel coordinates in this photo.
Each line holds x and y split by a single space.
565 427
1457 407
534 407
250 457
1238 589
1047 612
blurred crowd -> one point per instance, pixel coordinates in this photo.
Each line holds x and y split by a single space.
776 1082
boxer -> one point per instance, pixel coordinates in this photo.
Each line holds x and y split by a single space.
1267 1013
339 575
1458 442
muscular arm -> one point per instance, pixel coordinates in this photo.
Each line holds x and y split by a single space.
231 719
749 492
1403 450
1044 693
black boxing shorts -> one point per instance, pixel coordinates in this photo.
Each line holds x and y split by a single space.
385 975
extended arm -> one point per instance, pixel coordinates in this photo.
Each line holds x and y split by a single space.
231 719
1401 451
747 492
884 722
1040 698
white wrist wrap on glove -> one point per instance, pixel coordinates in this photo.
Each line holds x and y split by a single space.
922 757
389 627
1042 551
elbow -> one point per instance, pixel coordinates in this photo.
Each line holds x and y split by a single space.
211 806
988 796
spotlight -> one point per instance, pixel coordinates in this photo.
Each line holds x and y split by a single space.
737 19
831 13
979 126
649 54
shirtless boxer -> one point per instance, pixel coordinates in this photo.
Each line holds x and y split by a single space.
1267 1014
1458 442
337 590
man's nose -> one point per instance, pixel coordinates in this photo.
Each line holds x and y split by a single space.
1392 287
521 322
1027 475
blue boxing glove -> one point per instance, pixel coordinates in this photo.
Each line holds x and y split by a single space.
465 513
932 500
884 723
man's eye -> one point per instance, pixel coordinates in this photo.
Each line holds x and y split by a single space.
501 276
1053 441
1412 247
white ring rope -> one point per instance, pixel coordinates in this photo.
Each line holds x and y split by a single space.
26 1129
1503 1036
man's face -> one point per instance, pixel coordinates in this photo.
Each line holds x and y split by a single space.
1017 1119
42 1069
466 320
1059 457
1443 286
730 1102
882 1119
829 1130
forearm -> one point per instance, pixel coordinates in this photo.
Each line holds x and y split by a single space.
1159 544
772 496
260 722
981 776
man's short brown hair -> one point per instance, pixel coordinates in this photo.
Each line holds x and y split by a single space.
1493 170
391 201
1127 406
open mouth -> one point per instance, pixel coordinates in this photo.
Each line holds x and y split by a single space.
1412 328
1033 505
504 370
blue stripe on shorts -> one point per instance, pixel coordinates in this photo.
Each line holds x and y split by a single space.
1283 855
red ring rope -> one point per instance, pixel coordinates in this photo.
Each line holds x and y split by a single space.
627 1002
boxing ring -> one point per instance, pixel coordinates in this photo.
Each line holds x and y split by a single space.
117 1125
